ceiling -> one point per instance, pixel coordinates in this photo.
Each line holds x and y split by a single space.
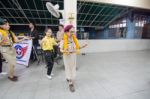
21 12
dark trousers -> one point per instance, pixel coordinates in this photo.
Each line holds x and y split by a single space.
1 62
49 61
34 52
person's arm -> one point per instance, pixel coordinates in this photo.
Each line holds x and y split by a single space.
54 42
19 40
42 42
85 45
59 36
16 40
35 35
63 51
32 36
61 46
1 38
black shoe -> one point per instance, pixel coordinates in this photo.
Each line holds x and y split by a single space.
13 79
3 60
71 87
16 77
67 80
83 54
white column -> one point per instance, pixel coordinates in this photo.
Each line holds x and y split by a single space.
70 10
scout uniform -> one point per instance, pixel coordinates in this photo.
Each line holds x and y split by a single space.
7 48
47 46
71 47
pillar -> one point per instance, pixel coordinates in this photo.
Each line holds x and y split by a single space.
70 11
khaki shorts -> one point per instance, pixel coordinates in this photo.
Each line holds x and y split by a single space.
9 54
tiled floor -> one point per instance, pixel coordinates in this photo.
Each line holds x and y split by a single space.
115 75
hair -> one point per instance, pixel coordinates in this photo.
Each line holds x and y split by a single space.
46 29
11 35
61 25
33 24
1 27
3 21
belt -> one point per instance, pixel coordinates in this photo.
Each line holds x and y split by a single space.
48 50
6 46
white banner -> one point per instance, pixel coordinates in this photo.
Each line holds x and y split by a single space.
23 51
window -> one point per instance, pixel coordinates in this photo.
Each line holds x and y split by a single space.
140 20
119 24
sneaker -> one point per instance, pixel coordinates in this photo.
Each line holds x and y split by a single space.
52 74
3 73
49 77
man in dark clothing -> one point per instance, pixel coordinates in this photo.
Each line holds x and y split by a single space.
35 39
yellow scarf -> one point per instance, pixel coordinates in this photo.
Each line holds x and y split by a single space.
5 39
75 41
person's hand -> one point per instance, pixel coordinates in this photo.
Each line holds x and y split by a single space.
30 38
25 38
85 45
78 51
64 51
61 51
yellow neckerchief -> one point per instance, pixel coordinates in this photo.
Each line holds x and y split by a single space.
75 41
5 35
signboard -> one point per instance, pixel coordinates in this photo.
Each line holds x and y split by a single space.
23 52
